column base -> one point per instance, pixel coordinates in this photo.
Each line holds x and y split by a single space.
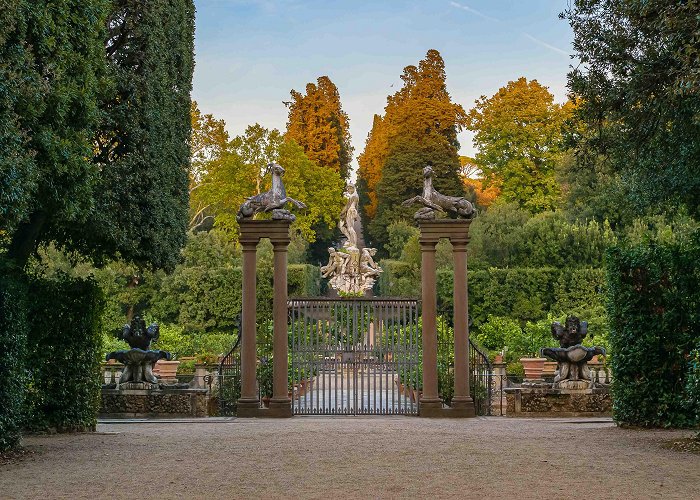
432 409
248 408
280 408
462 407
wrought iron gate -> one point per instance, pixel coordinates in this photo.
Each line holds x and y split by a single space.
354 356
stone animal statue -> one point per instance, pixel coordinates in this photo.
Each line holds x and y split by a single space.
137 335
273 200
433 201
572 333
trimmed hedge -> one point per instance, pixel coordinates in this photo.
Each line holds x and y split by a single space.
64 355
303 280
13 340
654 311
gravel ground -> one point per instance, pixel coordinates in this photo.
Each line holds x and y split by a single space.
368 457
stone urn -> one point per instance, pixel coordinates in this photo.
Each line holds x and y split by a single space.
533 367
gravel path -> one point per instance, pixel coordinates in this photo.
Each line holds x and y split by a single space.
314 457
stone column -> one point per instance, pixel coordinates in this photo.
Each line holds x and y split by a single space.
461 398
280 404
430 402
248 403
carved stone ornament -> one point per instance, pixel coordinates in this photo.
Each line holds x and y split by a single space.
433 201
572 357
273 200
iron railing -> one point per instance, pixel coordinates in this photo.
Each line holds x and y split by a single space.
354 356
228 387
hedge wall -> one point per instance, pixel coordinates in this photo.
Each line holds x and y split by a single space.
13 339
64 342
303 280
521 293
654 311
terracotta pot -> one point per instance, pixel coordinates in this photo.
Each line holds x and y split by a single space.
549 368
166 369
266 401
533 367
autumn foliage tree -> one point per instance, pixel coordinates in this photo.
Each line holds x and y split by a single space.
518 132
319 125
419 127
209 144
240 171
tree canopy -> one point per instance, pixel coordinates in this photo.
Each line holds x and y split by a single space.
240 171
638 84
51 79
419 127
319 125
518 132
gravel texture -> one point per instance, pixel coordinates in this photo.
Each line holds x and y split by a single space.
362 457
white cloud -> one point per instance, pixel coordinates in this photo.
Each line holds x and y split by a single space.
474 11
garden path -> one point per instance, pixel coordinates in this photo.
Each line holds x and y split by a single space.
356 457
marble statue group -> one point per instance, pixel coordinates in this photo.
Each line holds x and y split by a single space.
351 270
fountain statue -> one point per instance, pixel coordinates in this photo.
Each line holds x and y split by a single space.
351 270
139 360
572 372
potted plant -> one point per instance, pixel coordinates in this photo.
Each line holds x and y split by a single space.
533 368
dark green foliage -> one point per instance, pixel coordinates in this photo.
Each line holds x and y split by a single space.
52 71
506 236
525 294
13 340
654 310
64 356
142 202
402 178
202 299
303 280
399 279
638 85
398 235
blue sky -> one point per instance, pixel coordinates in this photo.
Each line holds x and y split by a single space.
251 53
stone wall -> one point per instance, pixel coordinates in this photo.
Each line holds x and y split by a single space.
136 403
534 402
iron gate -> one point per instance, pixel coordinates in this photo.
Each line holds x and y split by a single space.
354 356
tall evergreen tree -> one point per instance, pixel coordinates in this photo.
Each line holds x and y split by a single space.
421 125
143 144
370 164
52 55
318 124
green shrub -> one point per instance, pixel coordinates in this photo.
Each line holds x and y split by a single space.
654 311
65 348
398 279
13 344
303 280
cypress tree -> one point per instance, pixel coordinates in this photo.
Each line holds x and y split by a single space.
318 124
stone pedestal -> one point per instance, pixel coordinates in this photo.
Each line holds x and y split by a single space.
548 402
139 402
457 231
252 231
